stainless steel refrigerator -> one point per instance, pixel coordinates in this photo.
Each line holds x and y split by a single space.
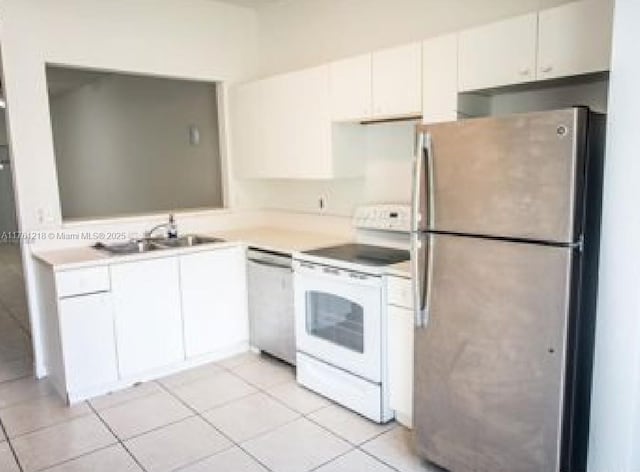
504 254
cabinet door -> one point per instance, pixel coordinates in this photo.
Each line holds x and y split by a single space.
440 79
401 363
304 125
250 129
147 311
350 88
575 38
88 342
214 300
281 126
397 81
497 54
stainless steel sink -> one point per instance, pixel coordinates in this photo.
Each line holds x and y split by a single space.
129 247
188 241
153 244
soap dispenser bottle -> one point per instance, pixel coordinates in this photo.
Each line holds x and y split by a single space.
172 229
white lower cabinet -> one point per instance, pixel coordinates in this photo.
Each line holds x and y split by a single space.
400 329
108 326
214 301
88 342
146 296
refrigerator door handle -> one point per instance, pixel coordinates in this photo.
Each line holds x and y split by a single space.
430 178
422 209
418 183
421 263
418 277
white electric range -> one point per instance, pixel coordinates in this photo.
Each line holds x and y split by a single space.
340 300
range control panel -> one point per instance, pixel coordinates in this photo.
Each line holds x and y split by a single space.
389 217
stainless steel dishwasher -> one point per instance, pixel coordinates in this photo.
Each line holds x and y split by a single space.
271 312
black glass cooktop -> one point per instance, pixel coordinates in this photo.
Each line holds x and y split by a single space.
362 254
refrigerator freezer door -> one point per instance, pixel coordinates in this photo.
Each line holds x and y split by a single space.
516 177
489 364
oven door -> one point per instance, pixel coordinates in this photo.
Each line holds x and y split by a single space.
338 318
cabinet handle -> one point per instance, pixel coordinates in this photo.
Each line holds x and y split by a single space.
546 69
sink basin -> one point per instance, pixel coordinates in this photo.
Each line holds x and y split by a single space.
129 247
188 241
153 244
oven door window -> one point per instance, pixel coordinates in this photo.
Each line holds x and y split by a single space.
335 319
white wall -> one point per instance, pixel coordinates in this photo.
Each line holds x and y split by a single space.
197 39
122 146
300 33
194 39
592 93
388 158
615 416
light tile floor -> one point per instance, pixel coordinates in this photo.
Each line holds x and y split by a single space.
243 414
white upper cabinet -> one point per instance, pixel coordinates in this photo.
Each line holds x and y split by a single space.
498 54
575 38
397 81
282 129
440 79
214 301
350 88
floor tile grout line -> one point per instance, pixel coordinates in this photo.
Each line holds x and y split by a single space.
119 441
122 402
282 402
71 459
20 402
151 430
13 380
259 388
11 448
353 446
308 418
51 425
201 416
130 400
364 451
334 458
13 316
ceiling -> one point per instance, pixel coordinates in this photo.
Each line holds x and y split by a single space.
256 3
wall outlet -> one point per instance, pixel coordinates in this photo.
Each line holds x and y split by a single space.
322 203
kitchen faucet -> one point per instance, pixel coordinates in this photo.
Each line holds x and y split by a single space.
172 228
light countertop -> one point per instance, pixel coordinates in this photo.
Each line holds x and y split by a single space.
282 240
272 239
401 269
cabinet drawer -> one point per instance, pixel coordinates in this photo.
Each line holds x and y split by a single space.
399 292
82 281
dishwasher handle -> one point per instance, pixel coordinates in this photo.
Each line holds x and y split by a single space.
271 264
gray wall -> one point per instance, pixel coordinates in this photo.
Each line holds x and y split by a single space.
122 146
